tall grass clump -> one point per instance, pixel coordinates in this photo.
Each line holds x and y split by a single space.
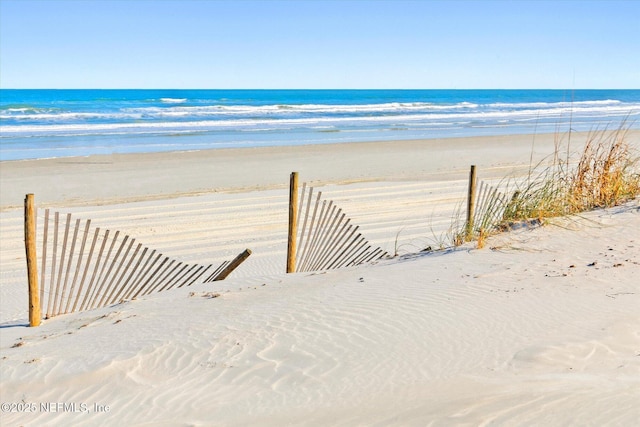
606 174
603 174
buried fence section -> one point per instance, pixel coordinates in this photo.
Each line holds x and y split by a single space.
485 207
490 208
320 235
83 267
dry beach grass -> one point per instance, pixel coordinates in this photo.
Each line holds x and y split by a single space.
603 173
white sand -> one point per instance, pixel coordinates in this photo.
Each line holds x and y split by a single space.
523 332
117 178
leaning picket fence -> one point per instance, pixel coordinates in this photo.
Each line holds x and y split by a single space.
84 268
485 207
325 239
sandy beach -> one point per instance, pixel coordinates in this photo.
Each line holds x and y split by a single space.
133 177
540 327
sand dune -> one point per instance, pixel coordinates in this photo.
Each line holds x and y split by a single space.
508 335
216 227
541 327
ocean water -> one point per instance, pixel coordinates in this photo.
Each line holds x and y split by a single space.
60 123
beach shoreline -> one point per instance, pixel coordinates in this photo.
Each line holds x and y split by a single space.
117 178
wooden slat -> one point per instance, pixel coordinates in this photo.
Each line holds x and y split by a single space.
159 278
304 255
152 276
50 297
316 236
217 271
195 276
173 283
102 278
117 289
348 256
104 290
56 292
91 289
63 294
321 235
481 200
128 283
376 255
351 254
168 282
233 265
345 241
359 256
329 240
300 209
338 235
302 232
86 269
145 270
342 255
487 213
78 264
43 270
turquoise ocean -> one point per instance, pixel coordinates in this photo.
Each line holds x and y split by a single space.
62 123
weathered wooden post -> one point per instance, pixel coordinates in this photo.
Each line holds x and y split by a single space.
293 222
471 204
32 269
233 265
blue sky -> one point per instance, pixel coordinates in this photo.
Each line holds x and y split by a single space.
319 44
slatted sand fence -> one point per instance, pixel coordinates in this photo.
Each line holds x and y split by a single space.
84 267
321 237
486 207
489 209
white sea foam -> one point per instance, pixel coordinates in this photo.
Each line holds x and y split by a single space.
303 108
320 111
386 108
67 116
284 123
566 104
23 122
173 100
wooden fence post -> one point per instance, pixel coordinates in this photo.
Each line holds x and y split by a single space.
293 222
233 265
32 269
471 201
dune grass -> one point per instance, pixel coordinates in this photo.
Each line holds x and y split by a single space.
607 174
603 173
